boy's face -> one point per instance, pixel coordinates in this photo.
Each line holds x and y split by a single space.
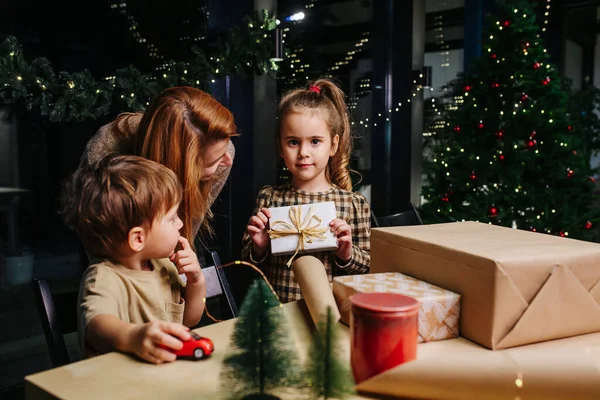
163 236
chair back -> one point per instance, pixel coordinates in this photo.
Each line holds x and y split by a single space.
406 218
58 315
217 283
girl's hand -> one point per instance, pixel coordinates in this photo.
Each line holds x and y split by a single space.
344 235
151 341
187 262
257 229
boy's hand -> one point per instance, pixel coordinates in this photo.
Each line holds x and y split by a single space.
342 231
187 262
146 340
257 229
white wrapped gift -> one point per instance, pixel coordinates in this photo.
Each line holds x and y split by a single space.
302 229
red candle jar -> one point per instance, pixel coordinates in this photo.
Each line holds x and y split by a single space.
383 332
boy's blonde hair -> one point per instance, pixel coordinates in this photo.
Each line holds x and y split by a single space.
324 96
106 199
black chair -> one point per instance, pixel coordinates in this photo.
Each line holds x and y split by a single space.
217 285
58 314
410 217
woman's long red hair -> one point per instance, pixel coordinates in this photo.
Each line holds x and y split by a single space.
177 125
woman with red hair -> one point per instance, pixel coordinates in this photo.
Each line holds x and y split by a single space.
186 130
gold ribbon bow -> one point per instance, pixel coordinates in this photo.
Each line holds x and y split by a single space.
303 229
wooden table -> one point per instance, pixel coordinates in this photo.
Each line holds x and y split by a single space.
118 376
562 369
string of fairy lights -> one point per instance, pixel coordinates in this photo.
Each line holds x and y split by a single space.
134 29
546 15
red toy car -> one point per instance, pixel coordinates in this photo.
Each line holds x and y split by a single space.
197 347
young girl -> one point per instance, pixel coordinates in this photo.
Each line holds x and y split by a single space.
315 144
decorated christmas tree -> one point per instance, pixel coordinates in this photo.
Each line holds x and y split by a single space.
507 151
262 357
327 375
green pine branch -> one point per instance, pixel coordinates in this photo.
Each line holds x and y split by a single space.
327 375
63 97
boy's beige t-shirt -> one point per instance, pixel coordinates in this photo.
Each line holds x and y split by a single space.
132 296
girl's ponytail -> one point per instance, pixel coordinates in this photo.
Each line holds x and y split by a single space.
339 163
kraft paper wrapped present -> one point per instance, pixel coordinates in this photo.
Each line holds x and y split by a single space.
302 229
439 311
517 287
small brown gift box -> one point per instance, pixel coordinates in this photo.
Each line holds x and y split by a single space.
439 311
517 287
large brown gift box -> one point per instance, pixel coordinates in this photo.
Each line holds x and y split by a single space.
439 310
517 287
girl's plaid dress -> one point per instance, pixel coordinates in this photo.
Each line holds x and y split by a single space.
351 207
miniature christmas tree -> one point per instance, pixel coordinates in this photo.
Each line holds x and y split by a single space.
506 150
262 357
328 376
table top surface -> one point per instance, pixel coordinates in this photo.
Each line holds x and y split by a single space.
119 376
453 368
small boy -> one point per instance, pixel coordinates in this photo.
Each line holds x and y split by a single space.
131 297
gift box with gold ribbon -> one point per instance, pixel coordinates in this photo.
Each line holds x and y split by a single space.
302 229
439 311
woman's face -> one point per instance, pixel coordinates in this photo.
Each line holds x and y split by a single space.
215 156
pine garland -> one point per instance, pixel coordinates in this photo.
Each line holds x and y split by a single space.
64 97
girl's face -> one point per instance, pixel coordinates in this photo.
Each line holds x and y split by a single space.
306 145
215 156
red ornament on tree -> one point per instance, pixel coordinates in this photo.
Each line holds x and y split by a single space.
494 56
495 85
506 23
532 142
480 126
591 178
561 233
473 176
493 211
501 157
524 97
570 173
500 134
445 198
457 129
546 81
533 229
468 88
569 128
588 225
536 65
